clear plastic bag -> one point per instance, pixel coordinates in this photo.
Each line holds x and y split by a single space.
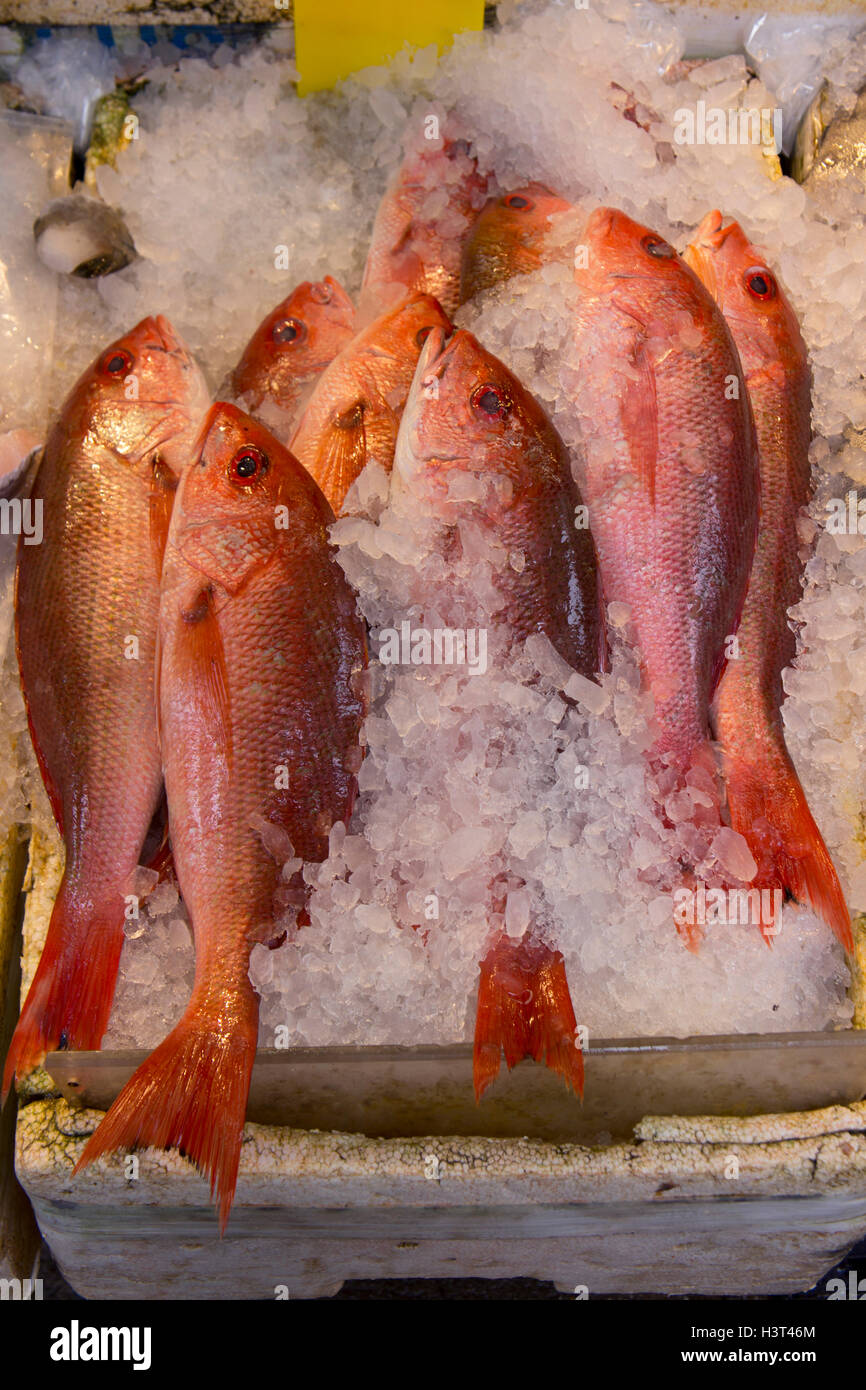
34 154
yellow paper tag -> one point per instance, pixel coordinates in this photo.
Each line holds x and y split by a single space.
334 38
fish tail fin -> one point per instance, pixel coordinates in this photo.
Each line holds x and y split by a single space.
768 807
190 1094
69 1001
525 1010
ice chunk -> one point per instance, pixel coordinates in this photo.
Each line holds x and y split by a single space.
733 854
518 911
594 698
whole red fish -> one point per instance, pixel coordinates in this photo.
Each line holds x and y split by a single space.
261 650
508 237
765 800
468 414
422 223
354 412
670 477
86 616
289 350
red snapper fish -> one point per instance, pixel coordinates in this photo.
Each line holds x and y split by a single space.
261 657
468 414
86 616
422 223
766 802
671 481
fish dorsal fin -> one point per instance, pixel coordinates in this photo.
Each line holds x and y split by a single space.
341 454
163 486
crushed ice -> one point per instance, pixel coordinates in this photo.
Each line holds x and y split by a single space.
527 772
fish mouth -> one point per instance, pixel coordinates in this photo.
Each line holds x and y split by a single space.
711 231
407 455
162 337
600 222
437 353
170 340
322 291
329 291
701 253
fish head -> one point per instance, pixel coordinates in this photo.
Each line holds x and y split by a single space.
241 496
467 413
748 294
296 341
623 256
398 336
372 376
508 236
143 396
352 414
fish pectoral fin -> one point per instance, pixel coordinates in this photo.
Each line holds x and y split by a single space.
341 455
200 649
163 486
639 414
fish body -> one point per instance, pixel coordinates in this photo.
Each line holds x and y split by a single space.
830 152
767 805
670 475
86 618
508 237
422 223
468 415
261 655
288 351
354 411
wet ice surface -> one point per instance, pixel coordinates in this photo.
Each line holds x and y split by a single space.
467 777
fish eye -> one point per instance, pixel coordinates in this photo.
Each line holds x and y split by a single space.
658 247
288 331
248 464
760 283
117 362
491 401
517 200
